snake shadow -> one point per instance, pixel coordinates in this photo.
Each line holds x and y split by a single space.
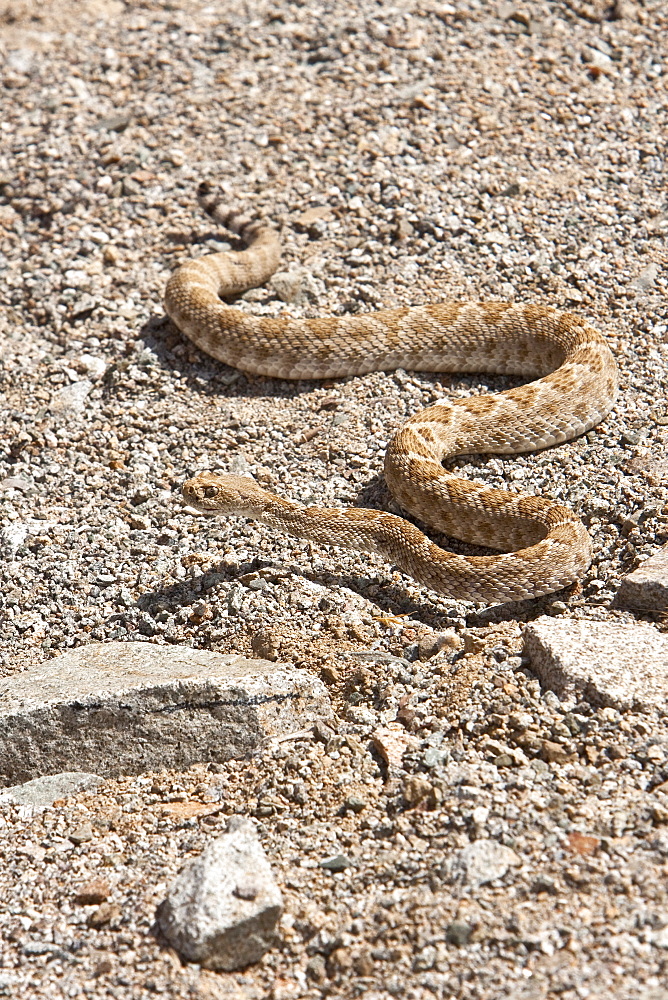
389 598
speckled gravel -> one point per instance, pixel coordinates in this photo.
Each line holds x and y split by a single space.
478 149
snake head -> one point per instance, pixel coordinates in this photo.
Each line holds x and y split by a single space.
209 493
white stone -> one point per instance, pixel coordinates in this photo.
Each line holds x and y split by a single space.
71 399
93 365
74 278
483 861
12 538
622 666
223 908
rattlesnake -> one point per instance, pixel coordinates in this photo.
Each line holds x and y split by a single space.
543 545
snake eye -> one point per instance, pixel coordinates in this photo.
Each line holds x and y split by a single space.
210 492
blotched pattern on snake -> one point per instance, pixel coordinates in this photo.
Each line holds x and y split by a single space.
543 546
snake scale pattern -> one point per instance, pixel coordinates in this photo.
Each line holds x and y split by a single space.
542 546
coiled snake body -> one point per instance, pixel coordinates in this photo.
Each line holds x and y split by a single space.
543 546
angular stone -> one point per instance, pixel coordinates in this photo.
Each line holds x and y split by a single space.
40 793
458 932
223 908
483 861
622 666
82 834
296 286
647 277
123 708
646 588
71 399
337 863
431 645
12 538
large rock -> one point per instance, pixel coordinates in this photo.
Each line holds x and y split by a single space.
623 666
646 588
122 708
223 908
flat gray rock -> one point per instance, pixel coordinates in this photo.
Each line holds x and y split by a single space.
40 793
126 707
647 587
223 908
623 666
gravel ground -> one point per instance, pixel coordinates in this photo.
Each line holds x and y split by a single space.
473 149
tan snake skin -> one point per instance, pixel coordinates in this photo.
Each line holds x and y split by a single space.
543 545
